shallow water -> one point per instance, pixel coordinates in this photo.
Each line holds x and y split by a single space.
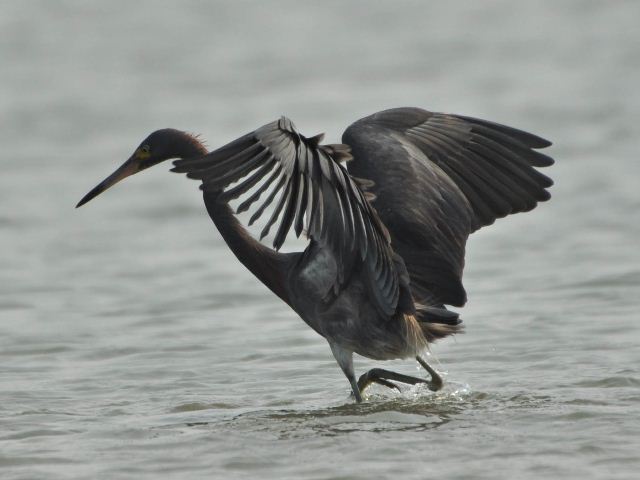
132 343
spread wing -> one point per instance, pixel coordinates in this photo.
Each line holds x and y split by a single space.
315 194
439 177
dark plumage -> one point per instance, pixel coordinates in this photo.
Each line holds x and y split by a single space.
386 237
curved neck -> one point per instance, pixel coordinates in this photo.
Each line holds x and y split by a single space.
269 266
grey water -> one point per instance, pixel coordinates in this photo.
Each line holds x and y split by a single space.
134 345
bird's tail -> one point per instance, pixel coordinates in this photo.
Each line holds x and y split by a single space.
437 322
414 334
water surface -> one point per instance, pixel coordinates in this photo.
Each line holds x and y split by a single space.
133 344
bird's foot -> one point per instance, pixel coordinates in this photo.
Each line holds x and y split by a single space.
375 375
384 377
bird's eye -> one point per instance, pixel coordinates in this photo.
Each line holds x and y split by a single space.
145 148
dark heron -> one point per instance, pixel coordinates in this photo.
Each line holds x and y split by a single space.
386 233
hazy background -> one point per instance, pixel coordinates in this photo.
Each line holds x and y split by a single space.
132 343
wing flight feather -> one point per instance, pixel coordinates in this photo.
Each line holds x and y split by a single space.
315 194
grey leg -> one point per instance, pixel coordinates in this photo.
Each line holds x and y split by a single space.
355 388
436 382
345 360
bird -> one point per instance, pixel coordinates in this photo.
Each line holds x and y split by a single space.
386 214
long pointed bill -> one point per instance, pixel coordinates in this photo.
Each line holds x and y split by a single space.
128 168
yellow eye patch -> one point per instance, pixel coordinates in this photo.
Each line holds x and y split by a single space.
143 153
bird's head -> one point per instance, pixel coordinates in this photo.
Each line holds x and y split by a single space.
161 145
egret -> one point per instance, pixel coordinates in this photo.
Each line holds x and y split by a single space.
387 214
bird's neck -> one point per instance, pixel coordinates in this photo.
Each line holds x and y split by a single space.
269 266
188 146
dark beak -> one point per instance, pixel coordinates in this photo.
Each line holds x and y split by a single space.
128 168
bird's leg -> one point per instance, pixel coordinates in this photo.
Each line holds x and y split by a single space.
345 360
436 382
354 388
382 377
